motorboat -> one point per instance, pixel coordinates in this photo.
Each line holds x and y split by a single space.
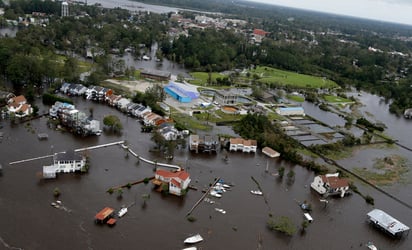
371 246
256 192
122 212
193 239
215 194
220 210
190 248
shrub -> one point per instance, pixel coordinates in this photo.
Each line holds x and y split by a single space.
282 224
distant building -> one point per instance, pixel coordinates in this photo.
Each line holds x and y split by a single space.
177 182
330 184
19 107
181 92
65 9
291 111
155 74
226 97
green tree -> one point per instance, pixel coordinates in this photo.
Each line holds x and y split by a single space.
113 123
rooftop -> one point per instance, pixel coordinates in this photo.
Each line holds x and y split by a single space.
387 222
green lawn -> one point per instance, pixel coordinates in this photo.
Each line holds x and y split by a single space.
336 99
200 78
281 78
296 98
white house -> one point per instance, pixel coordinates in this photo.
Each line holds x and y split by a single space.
122 103
178 181
19 107
330 184
235 144
240 144
249 146
65 162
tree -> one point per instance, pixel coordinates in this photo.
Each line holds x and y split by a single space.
158 138
56 192
145 198
281 172
113 123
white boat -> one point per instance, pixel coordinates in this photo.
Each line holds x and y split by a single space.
257 192
193 239
371 246
122 212
215 194
220 210
190 248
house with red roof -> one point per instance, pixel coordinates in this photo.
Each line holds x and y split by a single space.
177 181
330 184
19 107
258 35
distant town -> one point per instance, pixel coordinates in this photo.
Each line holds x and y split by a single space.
184 75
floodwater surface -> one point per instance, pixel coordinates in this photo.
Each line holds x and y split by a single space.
29 222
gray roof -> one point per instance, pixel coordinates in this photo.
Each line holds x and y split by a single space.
155 72
387 222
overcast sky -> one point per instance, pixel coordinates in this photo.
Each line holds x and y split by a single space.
398 11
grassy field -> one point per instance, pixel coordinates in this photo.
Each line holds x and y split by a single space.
190 122
283 78
296 98
335 99
200 78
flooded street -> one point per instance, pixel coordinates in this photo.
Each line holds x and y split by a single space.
29 222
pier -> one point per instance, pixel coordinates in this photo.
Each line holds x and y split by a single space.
178 168
76 150
203 197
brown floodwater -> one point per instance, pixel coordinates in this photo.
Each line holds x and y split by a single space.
29 222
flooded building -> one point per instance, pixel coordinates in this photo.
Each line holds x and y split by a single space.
65 162
240 144
74 119
330 184
205 143
384 221
177 182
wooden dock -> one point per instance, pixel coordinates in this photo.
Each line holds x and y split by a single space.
203 197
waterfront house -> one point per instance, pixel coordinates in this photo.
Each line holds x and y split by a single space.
19 107
177 182
330 184
122 104
65 162
113 99
249 146
240 144
205 143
